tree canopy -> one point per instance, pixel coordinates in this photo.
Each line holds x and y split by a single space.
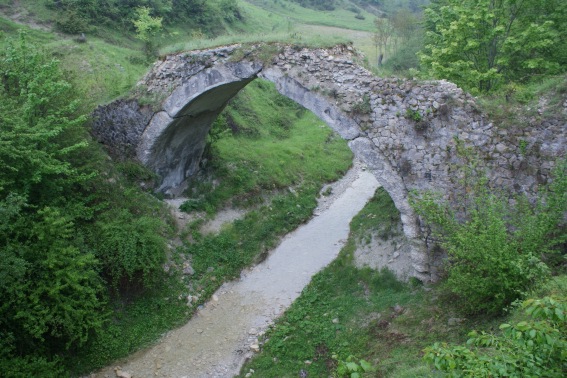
77 16
483 44
64 246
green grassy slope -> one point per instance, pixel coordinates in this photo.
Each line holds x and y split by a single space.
340 17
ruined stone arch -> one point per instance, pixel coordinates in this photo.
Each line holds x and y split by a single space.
404 130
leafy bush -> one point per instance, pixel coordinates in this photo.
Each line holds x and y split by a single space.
494 255
130 247
36 115
50 291
413 115
19 367
353 369
71 22
533 348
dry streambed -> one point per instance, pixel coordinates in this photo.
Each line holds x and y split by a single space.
224 333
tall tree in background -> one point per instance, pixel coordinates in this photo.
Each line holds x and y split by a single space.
405 24
147 27
481 44
382 35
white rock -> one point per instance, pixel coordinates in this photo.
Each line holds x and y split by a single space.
123 374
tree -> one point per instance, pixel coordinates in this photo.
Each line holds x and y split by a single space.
381 37
51 294
36 115
405 24
481 44
147 27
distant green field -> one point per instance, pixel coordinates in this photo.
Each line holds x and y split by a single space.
293 12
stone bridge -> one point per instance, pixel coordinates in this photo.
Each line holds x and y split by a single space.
406 131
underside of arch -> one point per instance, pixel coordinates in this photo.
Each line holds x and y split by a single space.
174 145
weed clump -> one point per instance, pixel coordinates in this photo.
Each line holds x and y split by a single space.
363 106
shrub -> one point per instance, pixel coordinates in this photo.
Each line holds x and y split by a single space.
71 22
405 58
131 248
494 254
17 367
363 106
50 290
413 115
532 348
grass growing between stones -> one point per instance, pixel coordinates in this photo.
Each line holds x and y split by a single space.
362 313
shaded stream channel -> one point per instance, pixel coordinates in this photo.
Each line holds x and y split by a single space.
224 333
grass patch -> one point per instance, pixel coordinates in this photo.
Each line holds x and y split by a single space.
379 217
326 321
268 22
267 142
99 71
516 105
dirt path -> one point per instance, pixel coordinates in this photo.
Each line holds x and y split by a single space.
217 341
